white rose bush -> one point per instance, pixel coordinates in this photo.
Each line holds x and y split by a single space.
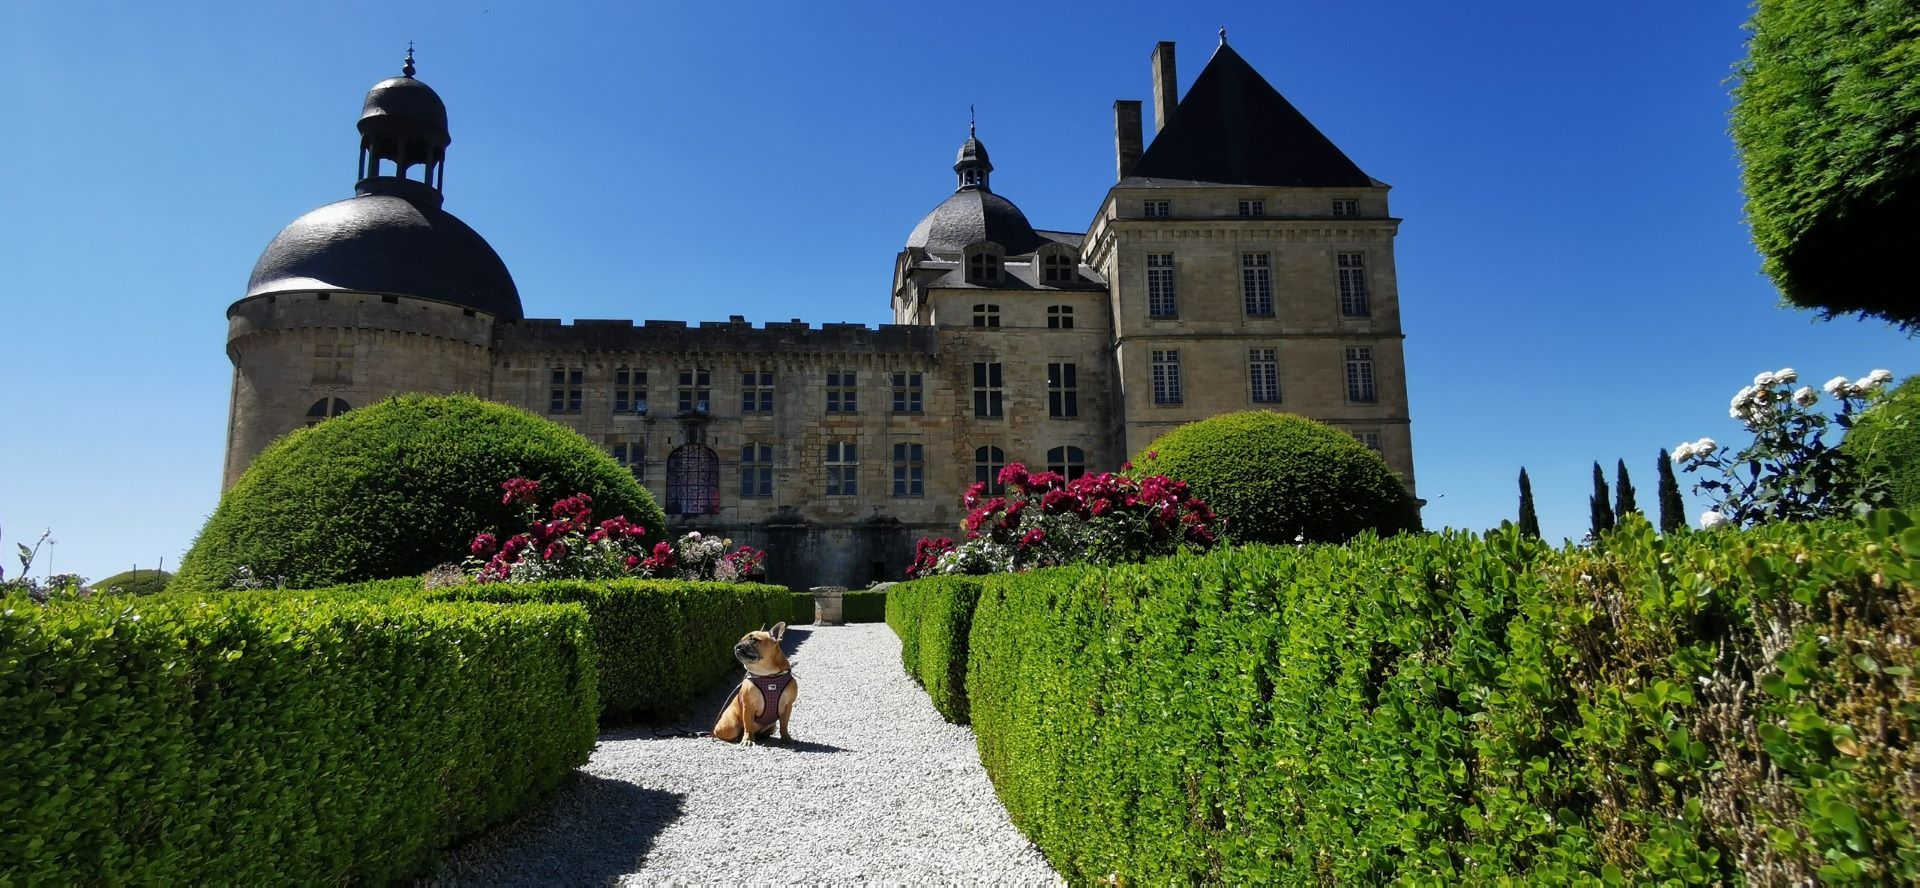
1789 472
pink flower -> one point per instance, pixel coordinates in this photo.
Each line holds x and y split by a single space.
1032 536
1014 475
483 546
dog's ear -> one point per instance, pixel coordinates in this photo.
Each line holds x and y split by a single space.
779 630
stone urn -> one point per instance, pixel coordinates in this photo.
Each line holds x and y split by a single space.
827 605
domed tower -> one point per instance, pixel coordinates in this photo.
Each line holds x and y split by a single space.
381 293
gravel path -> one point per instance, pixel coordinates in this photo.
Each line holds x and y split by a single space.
876 788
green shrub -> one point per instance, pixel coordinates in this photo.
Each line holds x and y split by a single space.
661 643
1827 120
140 581
1885 440
802 613
255 739
394 489
1277 476
1447 709
932 616
861 606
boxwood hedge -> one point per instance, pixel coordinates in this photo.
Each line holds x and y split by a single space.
661 643
1697 708
802 609
864 606
269 739
932 616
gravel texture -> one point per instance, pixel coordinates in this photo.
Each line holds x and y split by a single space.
875 788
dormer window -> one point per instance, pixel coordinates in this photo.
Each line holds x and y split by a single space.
1057 268
983 264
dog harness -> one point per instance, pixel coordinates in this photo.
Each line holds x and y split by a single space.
771 688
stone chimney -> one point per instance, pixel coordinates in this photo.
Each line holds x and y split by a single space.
1166 85
1126 135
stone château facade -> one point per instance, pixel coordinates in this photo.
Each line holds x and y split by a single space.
1241 261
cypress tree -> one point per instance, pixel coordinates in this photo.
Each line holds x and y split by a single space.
1598 503
1623 503
1529 520
1673 510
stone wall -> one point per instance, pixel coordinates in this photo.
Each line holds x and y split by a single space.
386 345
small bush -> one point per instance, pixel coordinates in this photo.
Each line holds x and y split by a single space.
859 606
932 616
133 582
394 489
1277 477
1706 708
661 643
1885 441
275 738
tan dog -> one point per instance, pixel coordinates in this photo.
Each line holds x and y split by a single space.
750 711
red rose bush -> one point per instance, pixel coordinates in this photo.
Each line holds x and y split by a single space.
1043 520
566 543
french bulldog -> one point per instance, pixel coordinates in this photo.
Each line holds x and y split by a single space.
766 695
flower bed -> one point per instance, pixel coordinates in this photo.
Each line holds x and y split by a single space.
255 738
1698 708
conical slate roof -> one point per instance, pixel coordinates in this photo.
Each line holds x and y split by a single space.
1234 128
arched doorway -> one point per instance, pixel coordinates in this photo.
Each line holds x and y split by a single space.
693 481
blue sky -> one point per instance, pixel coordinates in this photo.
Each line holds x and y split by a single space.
1576 281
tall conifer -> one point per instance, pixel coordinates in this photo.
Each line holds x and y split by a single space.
1673 510
1623 493
1598 503
1529 520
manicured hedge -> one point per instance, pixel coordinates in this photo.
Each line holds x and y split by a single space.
274 739
859 606
802 613
661 643
1710 707
932 616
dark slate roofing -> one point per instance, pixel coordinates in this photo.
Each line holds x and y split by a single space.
379 242
1234 128
405 98
971 215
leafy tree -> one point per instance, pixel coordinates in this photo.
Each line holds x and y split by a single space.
1673 509
1827 121
1623 503
1602 514
1529 520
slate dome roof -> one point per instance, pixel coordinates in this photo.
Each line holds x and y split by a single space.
975 214
382 242
406 98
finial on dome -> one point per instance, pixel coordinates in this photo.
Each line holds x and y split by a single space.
1223 35
407 69
971 121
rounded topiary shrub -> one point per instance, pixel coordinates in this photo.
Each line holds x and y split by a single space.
1276 477
139 581
394 489
1885 441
